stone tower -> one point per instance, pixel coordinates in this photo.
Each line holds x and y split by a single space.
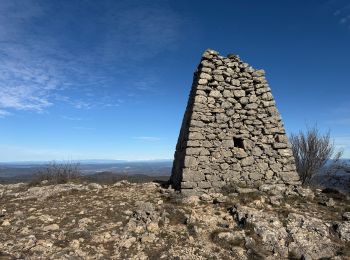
231 132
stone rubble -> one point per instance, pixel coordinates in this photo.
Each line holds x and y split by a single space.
147 221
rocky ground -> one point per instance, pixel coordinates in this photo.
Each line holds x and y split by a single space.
145 221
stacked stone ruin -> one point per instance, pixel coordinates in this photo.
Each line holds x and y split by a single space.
231 133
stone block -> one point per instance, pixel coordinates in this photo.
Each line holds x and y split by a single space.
193 143
240 153
212 178
190 161
227 143
219 78
235 82
196 136
193 151
285 152
202 81
239 93
190 192
201 99
255 176
215 94
205 76
289 177
247 161
224 166
198 176
218 184
280 145
257 152
227 93
258 73
204 185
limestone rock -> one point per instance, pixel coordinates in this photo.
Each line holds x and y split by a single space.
215 94
149 221
343 230
52 227
94 186
128 242
346 216
152 227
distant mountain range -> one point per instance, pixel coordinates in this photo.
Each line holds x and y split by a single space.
89 167
87 161
92 167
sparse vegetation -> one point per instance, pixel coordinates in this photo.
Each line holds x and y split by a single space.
312 151
57 173
138 221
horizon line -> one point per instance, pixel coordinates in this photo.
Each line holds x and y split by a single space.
81 160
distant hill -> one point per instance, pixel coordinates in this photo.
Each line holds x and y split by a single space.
25 170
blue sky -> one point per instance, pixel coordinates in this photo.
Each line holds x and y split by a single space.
110 79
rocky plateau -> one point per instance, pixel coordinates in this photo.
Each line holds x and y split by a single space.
149 221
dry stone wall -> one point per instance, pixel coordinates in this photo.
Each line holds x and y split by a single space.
231 132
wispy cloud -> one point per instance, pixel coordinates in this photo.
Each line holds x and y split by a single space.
100 103
344 19
82 104
41 67
24 88
146 83
4 113
341 11
147 138
28 76
71 118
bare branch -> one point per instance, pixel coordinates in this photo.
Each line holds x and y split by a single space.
311 152
57 173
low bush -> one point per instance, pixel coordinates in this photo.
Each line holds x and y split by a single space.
312 151
57 173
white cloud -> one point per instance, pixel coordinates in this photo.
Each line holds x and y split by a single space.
146 83
344 19
70 118
82 104
39 69
27 75
341 9
147 138
4 113
342 12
